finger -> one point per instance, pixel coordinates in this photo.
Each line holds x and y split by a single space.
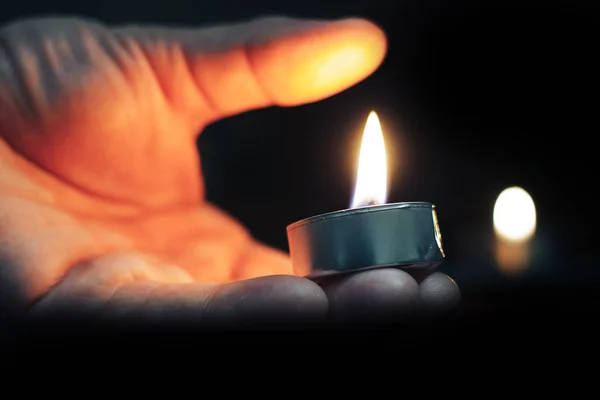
280 300
374 294
439 293
85 288
94 291
271 61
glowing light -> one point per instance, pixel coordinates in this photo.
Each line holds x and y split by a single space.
438 234
371 180
514 215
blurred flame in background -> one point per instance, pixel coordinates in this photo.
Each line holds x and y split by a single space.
515 222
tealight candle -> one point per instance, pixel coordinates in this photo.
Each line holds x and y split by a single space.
370 234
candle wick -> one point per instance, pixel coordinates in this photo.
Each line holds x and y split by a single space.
367 203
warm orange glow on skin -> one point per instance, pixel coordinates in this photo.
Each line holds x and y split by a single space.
99 182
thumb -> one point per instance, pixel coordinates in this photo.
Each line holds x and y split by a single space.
219 71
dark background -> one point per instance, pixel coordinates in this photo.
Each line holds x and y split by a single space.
473 97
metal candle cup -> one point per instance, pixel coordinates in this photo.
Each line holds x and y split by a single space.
403 235
372 233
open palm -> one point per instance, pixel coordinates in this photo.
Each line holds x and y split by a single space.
101 200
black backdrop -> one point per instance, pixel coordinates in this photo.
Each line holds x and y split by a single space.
472 98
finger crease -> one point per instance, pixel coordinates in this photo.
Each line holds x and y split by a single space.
12 60
204 93
149 295
145 55
114 293
206 303
254 71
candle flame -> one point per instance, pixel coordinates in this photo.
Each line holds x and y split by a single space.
514 215
514 224
371 180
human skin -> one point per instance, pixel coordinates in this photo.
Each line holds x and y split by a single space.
102 206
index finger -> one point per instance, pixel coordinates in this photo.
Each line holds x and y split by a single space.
264 62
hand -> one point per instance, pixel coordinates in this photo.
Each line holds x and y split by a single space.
101 200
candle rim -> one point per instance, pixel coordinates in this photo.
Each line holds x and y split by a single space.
359 210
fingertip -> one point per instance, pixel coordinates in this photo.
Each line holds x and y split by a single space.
321 61
377 293
373 33
439 293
